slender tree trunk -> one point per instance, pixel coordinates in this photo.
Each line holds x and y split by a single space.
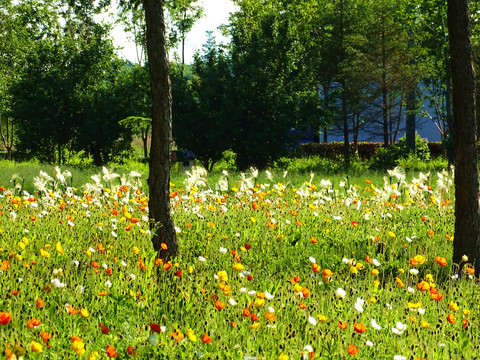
410 120
164 240
467 216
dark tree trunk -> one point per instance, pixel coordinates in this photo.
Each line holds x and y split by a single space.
410 121
161 222
467 217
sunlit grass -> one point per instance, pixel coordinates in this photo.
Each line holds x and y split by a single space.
270 267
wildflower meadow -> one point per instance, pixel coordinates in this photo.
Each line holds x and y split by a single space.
268 269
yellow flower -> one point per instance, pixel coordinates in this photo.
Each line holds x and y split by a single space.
191 335
25 240
44 253
376 283
322 318
18 257
297 288
238 267
253 220
59 247
84 313
190 269
359 265
466 312
79 347
21 245
401 271
136 250
391 234
372 300
374 272
94 356
222 276
255 325
36 347
453 306
412 305
283 357
353 270
259 303
429 277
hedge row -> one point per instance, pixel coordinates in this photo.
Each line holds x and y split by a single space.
366 150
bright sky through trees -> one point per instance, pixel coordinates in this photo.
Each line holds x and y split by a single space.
216 13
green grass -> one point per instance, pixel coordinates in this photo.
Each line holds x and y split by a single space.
269 230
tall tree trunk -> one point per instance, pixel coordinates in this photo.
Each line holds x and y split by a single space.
410 120
467 216
161 222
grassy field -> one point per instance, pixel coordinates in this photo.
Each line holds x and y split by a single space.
270 267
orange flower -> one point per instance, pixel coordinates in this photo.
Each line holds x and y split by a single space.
33 323
352 350
313 240
316 268
431 232
270 316
111 351
441 261
164 246
342 325
105 330
45 337
246 313
302 305
399 282
464 323
40 303
102 293
470 270
95 264
206 339
130 350
177 335
359 328
254 317
435 295
71 310
451 319
368 259
327 272
219 305
354 223
5 318
305 292
101 248
5 265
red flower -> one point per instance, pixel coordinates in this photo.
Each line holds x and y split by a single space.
130 350
40 303
156 328
5 318
105 330
354 223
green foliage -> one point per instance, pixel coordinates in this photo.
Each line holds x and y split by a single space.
228 162
390 156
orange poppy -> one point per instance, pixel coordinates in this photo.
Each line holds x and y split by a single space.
316 268
399 282
219 305
359 328
451 319
342 325
423 286
352 350
441 261
246 313
302 305
111 351
206 339
33 323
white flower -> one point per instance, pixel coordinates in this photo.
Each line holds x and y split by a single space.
201 259
399 328
132 277
243 290
105 266
232 302
108 284
414 271
123 263
375 325
268 296
223 250
375 262
411 290
340 293
337 218
271 309
369 343
252 293
454 277
75 262
312 320
57 283
92 250
114 234
399 357
312 260
358 307
177 229
421 311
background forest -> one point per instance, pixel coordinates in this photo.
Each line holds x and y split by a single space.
291 68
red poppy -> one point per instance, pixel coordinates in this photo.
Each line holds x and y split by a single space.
105 329
156 328
5 318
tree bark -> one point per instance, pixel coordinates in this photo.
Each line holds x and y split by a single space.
467 217
164 238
